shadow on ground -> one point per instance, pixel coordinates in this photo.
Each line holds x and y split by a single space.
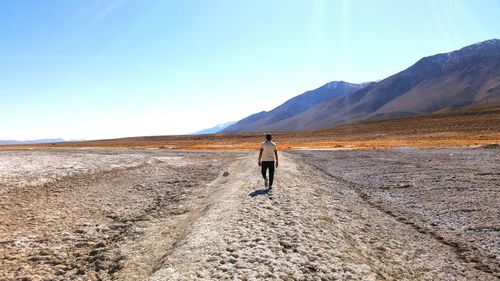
258 192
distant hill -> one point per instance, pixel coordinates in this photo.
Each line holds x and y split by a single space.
467 77
214 129
3 142
294 106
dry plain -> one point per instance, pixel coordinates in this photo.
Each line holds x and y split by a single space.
416 199
157 214
452 128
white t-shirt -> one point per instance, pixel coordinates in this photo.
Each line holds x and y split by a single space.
268 148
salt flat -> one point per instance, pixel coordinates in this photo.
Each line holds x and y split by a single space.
125 214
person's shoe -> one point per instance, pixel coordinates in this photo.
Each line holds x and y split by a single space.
266 182
270 190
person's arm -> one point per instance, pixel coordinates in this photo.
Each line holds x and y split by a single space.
276 156
260 155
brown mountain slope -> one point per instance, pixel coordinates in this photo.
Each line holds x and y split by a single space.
467 77
294 106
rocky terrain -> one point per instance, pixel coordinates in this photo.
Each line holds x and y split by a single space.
399 214
96 215
451 195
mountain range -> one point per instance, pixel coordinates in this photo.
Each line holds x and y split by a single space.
466 77
214 129
2 142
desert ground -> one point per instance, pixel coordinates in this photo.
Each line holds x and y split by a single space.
452 128
160 214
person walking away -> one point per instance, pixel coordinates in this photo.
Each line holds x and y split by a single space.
268 159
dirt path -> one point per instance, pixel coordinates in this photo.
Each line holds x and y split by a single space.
311 228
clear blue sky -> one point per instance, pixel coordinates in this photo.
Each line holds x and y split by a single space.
101 69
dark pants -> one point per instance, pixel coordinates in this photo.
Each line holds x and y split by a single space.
268 165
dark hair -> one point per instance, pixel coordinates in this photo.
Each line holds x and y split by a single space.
269 136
